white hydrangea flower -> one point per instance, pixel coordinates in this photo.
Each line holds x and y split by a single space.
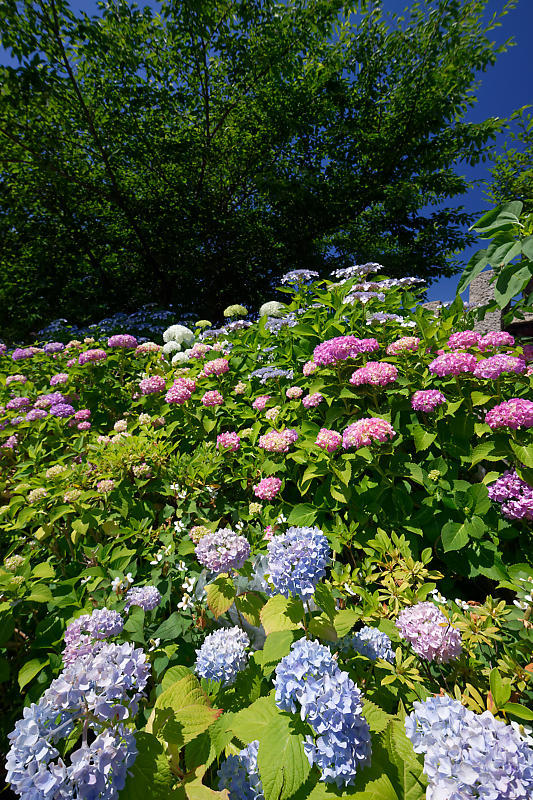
272 309
179 334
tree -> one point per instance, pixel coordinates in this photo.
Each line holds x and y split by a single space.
194 154
512 172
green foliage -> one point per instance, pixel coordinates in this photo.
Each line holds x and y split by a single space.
189 152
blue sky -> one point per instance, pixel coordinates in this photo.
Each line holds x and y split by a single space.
504 88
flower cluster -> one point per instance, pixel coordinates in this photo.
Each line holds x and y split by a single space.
90 356
365 431
15 379
16 403
152 384
216 367
430 634
212 398
146 597
374 373
122 340
515 495
84 635
462 340
469 755
261 401
453 364
297 559
299 276
341 348
146 348
312 400
180 391
53 347
495 339
222 550
514 413
222 655
179 334
278 441
294 392
228 441
427 400
309 680
267 488
403 344
493 367
369 642
328 440
239 774
60 378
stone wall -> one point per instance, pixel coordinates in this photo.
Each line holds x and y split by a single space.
482 293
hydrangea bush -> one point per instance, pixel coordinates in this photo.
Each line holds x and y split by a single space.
287 558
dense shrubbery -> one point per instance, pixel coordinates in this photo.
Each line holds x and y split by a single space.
287 559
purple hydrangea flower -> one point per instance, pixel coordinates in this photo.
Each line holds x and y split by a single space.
494 366
297 559
468 755
222 550
16 403
514 494
53 347
222 655
430 634
239 774
305 665
62 410
61 377
122 340
53 399
147 597
85 634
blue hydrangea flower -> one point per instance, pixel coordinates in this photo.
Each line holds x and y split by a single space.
305 666
147 597
297 559
84 635
240 776
222 655
369 642
468 755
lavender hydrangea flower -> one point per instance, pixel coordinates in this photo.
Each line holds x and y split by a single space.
468 755
430 634
147 597
299 276
222 550
85 634
514 494
53 347
297 559
369 642
62 410
240 775
222 655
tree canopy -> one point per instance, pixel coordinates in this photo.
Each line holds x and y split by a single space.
192 150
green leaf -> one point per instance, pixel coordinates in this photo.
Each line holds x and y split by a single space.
283 765
182 712
171 628
454 536
511 282
302 514
134 625
345 619
276 646
220 595
422 439
251 722
475 267
502 215
30 670
325 600
409 779
173 675
281 614
322 628
499 688
250 605
484 451
41 594
523 454
150 775
376 717
518 710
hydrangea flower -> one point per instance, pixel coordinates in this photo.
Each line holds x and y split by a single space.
493 367
228 441
146 348
278 441
374 373
453 364
212 398
260 402
272 309
427 400
62 410
341 348
267 488
91 356
16 403
146 597
122 340
402 345
180 391
53 347
20 353
61 377
297 559
463 340
216 367
105 486
239 774
328 440
302 670
366 431
514 413
16 379
294 392
299 276
515 495
309 367
429 633
84 635
36 495
152 384
179 334
222 550
222 655
370 642
495 339
312 400
468 755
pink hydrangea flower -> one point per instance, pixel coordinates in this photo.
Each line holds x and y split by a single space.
213 398
216 367
374 373
453 364
61 377
294 392
312 400
403 344
146 348
199 350
267 488
152 384
514 413
328 440
341 348
105 486
180 391
496 339
90 356
240 388
515 495
261 401
427 400
365 431
15 379
82 414
494 366
84 426
71 362
228 441
464 339
122 340
309 367
430 634
278 441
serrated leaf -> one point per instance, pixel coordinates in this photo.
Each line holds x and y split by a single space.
220 595
523 454
375 716
409 778
281 614
173 675
250 723
283 765
302 514
150 775
325 600
322 628
345 619
250 605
